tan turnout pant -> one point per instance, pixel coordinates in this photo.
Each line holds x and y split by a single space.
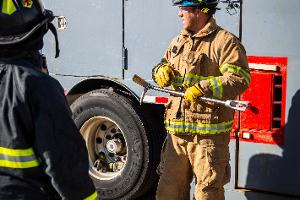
205 156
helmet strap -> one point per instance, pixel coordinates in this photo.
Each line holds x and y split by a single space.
54 32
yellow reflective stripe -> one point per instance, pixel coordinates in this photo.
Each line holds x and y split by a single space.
20 165
217 87
198 128
188 79
237 70
16 152
18 158
8 7
92 196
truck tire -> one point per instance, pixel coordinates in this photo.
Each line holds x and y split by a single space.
119 142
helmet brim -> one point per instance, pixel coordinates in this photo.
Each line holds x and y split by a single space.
181 3
8 40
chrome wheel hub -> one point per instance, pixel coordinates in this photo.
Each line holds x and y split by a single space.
106 145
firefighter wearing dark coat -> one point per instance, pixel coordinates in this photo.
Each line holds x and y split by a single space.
42 154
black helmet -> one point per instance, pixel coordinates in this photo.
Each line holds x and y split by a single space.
195 3
21 19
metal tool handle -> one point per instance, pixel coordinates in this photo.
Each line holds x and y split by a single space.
233 104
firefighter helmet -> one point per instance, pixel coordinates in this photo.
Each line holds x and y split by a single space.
23 23
19 19
196 3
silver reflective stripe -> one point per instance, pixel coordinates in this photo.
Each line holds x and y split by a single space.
217 87
198 128
189 79
237 70
17 159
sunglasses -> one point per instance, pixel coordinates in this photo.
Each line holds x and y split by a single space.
187 8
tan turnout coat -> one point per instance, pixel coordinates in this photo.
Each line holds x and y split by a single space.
217 60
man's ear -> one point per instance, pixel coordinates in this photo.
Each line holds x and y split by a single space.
199 13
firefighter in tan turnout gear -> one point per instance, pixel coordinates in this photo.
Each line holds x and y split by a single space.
203 60
42 154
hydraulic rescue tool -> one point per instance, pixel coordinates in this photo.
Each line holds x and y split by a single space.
233 104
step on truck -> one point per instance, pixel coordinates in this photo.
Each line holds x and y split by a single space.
108 41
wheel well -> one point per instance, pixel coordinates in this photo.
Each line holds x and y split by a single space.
153 114
93 84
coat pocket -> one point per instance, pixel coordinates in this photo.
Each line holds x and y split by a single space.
173 108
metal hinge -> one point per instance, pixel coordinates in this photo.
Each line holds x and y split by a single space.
125 58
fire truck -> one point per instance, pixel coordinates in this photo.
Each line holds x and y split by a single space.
108 41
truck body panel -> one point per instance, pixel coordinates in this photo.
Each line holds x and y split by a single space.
99 31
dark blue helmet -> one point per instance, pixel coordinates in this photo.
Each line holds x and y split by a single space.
195 3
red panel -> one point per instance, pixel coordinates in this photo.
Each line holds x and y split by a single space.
265 120
260 95
274 136
282 62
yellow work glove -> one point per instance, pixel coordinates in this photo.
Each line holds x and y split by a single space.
163 74
193 93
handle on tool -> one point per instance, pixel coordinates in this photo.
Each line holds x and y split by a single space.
233 104
137 79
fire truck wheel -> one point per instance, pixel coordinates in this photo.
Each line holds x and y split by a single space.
117 139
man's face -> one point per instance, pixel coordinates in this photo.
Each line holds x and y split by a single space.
188 16
192 19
